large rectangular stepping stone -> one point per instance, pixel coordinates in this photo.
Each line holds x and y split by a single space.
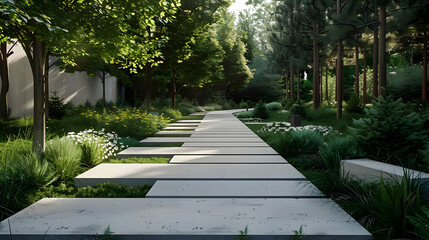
182 219
188 121
180 128
222 159
233 189
235 135
225 144
169 151
183 125
199 140
132 174
174 133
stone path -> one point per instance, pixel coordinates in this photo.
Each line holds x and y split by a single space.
221 180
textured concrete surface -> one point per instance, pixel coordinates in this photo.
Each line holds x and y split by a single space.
200 140
174 133
169 151
225 144
234 189
137 174
188 121
183 125
182 219
180 128
213 159
370 171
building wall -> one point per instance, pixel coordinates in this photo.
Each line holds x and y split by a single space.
76 87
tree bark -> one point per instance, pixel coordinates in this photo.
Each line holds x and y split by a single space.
425 67
339 72
321 85
46 79
382 51
291 82
4 75
37 63
375 63
298 87
173 89
364 100
103 83
357 70
148 85
315 65
326 83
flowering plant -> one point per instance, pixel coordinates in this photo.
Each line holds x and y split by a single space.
276 127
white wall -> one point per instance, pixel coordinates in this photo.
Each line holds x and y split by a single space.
75 87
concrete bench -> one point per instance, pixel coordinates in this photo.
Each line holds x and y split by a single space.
136 174
370 171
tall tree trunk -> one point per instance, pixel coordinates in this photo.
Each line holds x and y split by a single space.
336 81
37 62
425 67
148 85
173 89
382 50
357 70
326 83
339 72
375 63
4 75
364 100
321 85
46 87
291 82
103 83
315 64
298 85
287 86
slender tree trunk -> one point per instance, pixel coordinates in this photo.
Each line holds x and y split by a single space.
315 65
375 63
103 83
173 89
321 85
357 70
326 83
364 100
336 81
339 72
47 87
148 85
298 87
4 75
287 86
425 68
291 82
382 50
37 62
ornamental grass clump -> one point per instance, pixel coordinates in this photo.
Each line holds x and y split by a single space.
96 145
64 156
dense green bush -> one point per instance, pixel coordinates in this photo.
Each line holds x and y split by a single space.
64 157
298 108
160 103
170 114
273 106
246 114
296 143
386 131
354 105
212 107
113 190
243 104
260 111
321 113
57 108
345 147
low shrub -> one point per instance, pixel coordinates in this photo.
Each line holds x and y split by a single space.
57 108
64 156
273 106
212 107
298 108
186 110
321 113
161 103
354 105
246 114
244 104
260 111
296 143
169 114
229 104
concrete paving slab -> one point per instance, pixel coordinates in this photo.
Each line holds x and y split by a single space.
228 159
183 125
188 121
174 133
132 174
233 189
235 135
225 144
198 114
180 128
169 151
199 140
182 219
224 133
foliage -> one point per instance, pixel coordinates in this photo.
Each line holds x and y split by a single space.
229 104
243 104
243 234
64 156
424 155
354 105
345 147
386 131
298 108
273 106
405 82
420 221
57 108
295 143
171 114
138 160
113 190
245 114
260 111
278 127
